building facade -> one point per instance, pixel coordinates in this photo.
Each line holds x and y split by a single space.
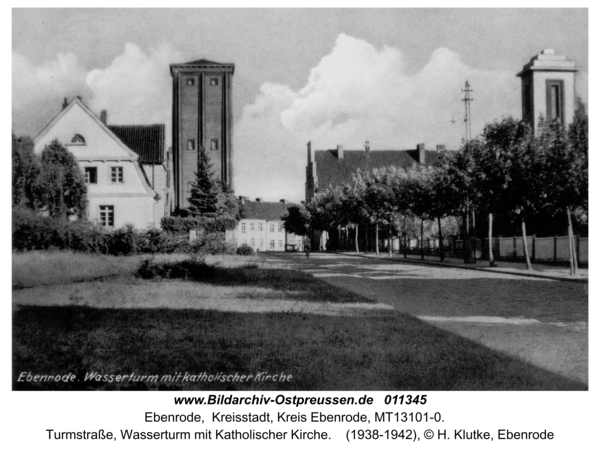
202 118
118 189
263 228
148 141
548 89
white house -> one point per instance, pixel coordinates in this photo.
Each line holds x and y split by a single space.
119 191
263 229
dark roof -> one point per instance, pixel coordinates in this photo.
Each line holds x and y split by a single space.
271 211
202 64
333 171
202 61
148 141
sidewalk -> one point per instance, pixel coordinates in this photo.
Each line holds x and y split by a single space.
539 270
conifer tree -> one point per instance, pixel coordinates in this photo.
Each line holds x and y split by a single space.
204 195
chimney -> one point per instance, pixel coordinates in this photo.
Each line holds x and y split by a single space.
282 201
340 152
440 147
103 116
259 199
421 150
65 103
309 152
242 200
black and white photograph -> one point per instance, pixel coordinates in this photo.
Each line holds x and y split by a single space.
284 200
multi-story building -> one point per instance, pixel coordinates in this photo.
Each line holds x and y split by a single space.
119 190
263 228
202 118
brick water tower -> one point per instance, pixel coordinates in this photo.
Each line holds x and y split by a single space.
202 117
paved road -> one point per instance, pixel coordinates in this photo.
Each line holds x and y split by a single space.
544 322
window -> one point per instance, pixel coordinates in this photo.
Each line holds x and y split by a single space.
262 242
214 82
279 244
190 81
554 100
252 242
272 244
116 174
243 227
280 227
77 140
107 215
90 176
260 228
191 144
272 227
252 226
214 144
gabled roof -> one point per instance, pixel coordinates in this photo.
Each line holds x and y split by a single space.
270 211
148 141
78 101
332 171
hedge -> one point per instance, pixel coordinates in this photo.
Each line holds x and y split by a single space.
32 231
176 224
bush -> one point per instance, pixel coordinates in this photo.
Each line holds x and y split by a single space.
192 269
175 224
32 231
244 249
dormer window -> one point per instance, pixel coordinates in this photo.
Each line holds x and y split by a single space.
77 140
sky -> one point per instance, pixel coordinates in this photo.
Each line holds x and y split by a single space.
328 76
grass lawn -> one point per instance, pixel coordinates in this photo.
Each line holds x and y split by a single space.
240 315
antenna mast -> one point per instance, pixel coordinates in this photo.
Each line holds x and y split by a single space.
468 99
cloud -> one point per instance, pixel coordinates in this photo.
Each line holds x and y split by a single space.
38 91
135 88
355 93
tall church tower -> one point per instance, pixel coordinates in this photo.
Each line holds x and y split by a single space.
201 117
548 89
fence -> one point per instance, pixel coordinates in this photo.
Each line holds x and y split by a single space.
548 249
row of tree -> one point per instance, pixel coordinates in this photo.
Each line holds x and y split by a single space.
507 171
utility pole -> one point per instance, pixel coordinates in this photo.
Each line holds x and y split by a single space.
467 99
467 238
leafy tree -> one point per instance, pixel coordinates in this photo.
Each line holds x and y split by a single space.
458 187
297 220
204 195
493 156
353 207
26 169
228 206
63 190
567 172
